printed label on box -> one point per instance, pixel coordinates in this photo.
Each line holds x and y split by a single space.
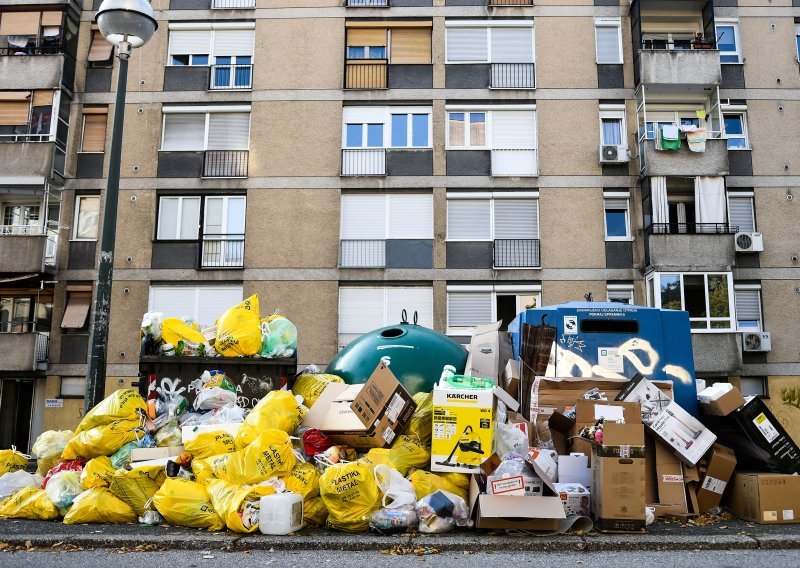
788 514
388 435
609 358
770 516
438 431
571 325
608 412
713 484
672 478
507 485
395 407
765 426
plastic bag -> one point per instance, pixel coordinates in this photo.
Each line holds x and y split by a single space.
216 416
151 324
69 465
397 490
15 480
170 402
63 487
122 457
278 338
239 331
97 472
12 460
315 442
174 331
29 503
99 505
48 447
237 505
407 452
279 410
426 483
202 471
135 487
214 390
187 504
421 424
351 495
169 434
123 404
270 455
400 519
441 512
303 480
315 513
310 386
509 438
209 444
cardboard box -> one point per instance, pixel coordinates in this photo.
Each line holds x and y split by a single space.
191 432
463 429
681 431
371 415
489 349
720 467
546 460
574 468
723 405
512 375
670 482
574 497
145 454
647 394
525 485
766 498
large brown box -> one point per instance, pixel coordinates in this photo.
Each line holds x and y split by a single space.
766 498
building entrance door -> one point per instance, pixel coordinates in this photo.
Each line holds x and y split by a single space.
16 410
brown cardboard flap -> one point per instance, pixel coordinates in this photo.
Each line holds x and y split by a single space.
381 389
315 417
585 411
623 434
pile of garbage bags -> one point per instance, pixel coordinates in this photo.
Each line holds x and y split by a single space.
238 332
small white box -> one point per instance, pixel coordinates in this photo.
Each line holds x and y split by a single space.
574 497
546 460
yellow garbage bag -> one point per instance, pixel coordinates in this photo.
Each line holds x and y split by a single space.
376 456
269 455
12 460
422 420
202 471
97 472
303 480
239 330
426 483
99 505
209 444
278 410
186 504
315 513
351 495
101 440
458 479
174 330
123 404
408 452
48 447
311 386
137 486
29 503
237 505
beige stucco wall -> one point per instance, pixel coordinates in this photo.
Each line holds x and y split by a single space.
66 418
141 140
558 291
565 53
136 221
439 227
569 137
783 404
780 308
571 228
773 136
770 54
126 320
777 219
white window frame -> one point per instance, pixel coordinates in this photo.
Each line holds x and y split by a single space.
750 288
467 142
488 24
76 213
489 112
617 196
410 129
615 112
616 292
750 195
383 115
737 38
178 221
655 301
796 45
492 197
740 111
608 23
211 27
207 110
225 201
194 289
520 291
72 382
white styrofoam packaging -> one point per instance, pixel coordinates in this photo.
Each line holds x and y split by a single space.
574 497
191 432
682 432
574 468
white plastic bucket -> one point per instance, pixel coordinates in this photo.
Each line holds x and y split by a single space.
281 513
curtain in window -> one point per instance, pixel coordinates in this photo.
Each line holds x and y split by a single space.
709 199
658 191
612 131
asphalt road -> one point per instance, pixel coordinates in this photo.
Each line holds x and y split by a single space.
319 559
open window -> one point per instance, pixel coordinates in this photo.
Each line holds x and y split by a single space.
469 306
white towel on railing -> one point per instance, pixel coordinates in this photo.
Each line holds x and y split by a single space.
670 132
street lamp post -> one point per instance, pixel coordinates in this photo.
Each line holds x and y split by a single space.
126 24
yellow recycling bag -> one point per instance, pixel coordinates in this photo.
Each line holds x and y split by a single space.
239 330
209 444
269 455
48 447
303 480
351 495
237 505
29 503
426 483
186 504
408 452
122 404
202 471
12 460
311 386
315 513
278 410
99 505
97 472
421 423
101 440
137 486
174 330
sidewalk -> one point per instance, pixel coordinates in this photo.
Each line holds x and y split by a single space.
726 535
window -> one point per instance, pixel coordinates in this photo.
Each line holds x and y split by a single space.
470 306
612 125
485 217
366 52
620 293
204 43
736 130
728 42
617 218
363 309
460 135
30 33
19 214
410 130
100 51
206 128
479 41
27 116
740 211
178 218
15 314
409 45
76 314
93 138
224 215
203 304
72 387
708 297
387 127
87 215
748 307
608 37
387 216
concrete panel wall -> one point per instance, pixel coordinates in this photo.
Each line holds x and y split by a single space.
556 292
409 253
18 351
470 254
766 126
22 254
35 72
175 255
717 354
186 78
568 61
568 128
410 76
780 309
777 219
409 162
680 67
66 418
571 228
712 162
469 162
770 54
689 253
27 158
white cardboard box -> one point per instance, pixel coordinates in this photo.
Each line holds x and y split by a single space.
574 497
574 468
682 432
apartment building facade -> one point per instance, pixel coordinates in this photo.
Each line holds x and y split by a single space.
460 159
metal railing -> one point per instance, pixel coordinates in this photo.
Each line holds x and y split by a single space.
231 77
693 229
42 50
222 251
516 253
367 75
364 162
512 76
362 253
514 162
23 230
367 3
232 4
41 351
665 44
26 137
225 163
510 2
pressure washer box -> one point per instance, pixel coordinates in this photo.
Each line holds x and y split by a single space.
463 428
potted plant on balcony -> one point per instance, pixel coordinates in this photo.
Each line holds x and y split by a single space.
701 42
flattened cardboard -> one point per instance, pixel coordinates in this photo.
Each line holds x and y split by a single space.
512 375
489 349
724 405
721 464
766 498
647 394
574 468
670 482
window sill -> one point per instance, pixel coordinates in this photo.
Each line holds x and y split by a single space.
83 240
731 63
71 396
619 239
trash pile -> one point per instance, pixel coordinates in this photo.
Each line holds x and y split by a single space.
238 332
580 452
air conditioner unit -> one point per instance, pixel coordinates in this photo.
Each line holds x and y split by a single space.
749 242
756 341
614 154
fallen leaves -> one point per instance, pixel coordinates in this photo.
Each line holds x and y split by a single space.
400 550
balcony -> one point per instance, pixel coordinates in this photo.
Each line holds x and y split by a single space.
222 251
225 163
21 156
514 162
232 4
362 253
367 3
684 162
27 249
512 76
364 162
23 351
364 76
691 247
510 2
516 253
238 77
679 67
717 353
37 68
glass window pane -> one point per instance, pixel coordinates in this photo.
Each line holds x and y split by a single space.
419 130
690 122
355 135
718 296
244 59
377 52
375 135
733 124
399 130
88 215
616 223
694 295
737 143
726 38
190 218
199 59
457 129
477 129
168 217
235 216
213 222
670 292
355 53
612 131
223 60
180 59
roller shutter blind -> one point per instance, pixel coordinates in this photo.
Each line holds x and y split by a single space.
228 131
94 132
14 112
468 309
740 211
363 217
516 219
368 36
204 304
608 48
410 216
512 45
513 129
43 98
184 132
100 49
469 219
188 42
360 309
467 44
748 305
410 45
19 23
51 18
233 42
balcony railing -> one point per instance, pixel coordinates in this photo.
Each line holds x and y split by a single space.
693 229
222 251
516 253
23 230
362 253
510 2
512 76
25 137
231 77
41 351
364 162
367 3
372 75
232 4
225 163
514 162
677 44
42 50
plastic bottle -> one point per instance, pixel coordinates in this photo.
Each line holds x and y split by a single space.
447 371
281 513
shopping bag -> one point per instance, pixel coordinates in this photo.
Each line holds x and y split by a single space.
278 410
63 487
187 504
99 505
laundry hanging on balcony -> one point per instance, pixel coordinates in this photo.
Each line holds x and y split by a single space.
669 137
695 137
